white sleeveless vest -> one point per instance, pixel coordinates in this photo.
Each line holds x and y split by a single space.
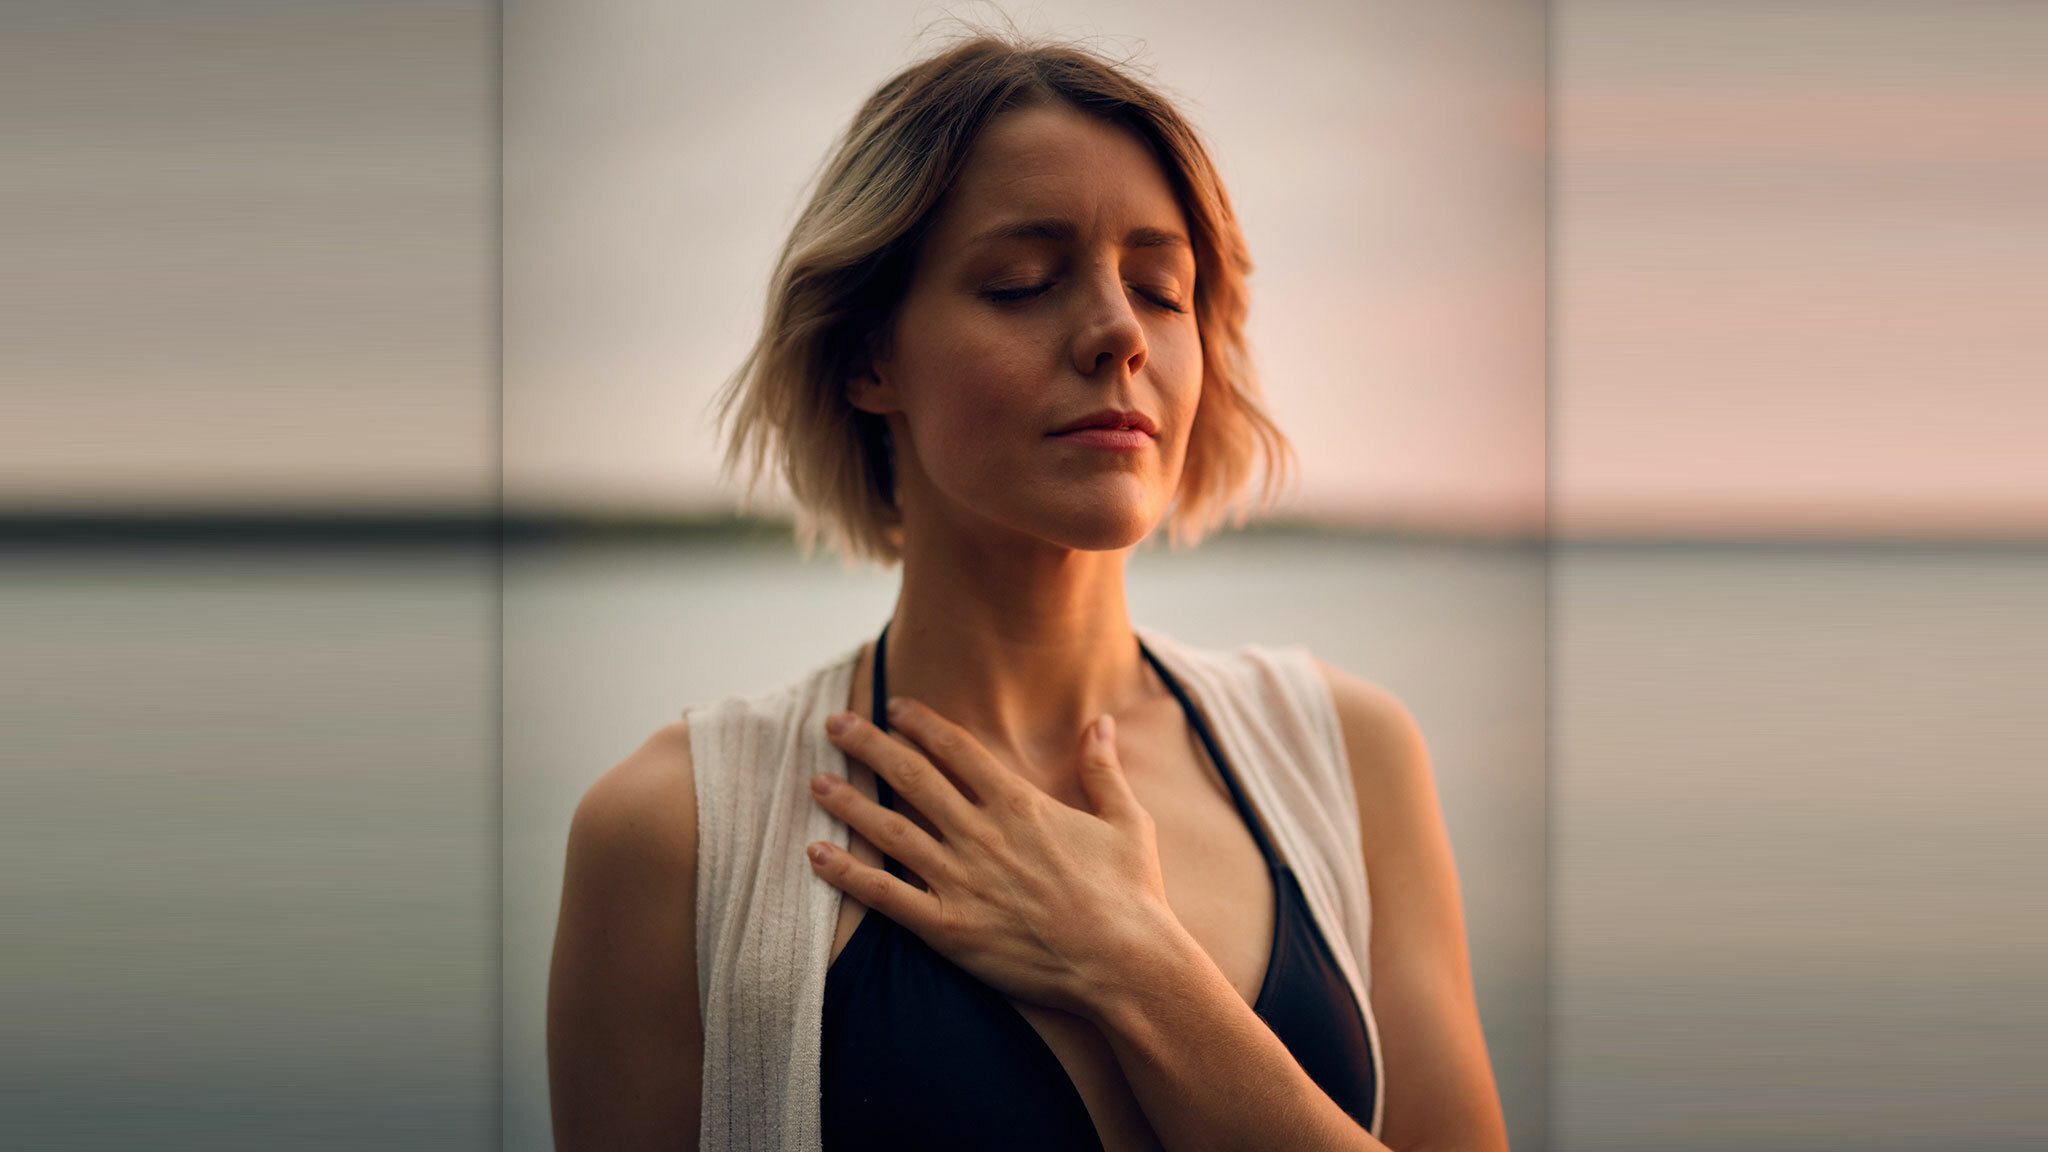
765 921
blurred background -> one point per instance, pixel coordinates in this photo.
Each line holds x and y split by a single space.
1740 759
248 575
1799 590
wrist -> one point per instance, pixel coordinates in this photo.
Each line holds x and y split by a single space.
1157 963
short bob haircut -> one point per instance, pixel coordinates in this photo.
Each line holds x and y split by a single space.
847 265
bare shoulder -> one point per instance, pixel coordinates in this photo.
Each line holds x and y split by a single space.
642 813
1389 760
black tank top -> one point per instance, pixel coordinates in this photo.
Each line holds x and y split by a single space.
918 1054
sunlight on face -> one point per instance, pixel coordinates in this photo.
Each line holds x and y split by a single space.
1055 288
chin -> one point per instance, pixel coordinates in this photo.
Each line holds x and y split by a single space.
1096 517
1103 528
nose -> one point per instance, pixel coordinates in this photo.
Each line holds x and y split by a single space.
1109 333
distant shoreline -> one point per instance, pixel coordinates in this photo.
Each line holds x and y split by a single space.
374 528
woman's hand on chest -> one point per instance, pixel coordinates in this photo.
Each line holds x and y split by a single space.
1043 901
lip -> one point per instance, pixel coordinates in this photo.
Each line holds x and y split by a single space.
1112 420
1120 439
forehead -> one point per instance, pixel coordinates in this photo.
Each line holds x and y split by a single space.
1053 160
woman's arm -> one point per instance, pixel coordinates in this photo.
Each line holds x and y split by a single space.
625 1042
1209 1074
1443 1094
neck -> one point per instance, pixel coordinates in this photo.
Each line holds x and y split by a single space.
1022 646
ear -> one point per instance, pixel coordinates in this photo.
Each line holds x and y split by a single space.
867 391
868 385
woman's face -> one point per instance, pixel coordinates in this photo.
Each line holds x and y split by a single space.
1043 369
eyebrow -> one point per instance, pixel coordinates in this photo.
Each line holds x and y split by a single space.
1053 228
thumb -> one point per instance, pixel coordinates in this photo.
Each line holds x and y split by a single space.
1102 774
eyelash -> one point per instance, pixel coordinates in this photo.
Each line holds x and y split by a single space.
1017 295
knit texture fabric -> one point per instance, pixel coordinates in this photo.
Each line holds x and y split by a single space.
765 921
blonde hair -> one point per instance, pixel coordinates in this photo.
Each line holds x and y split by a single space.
847 263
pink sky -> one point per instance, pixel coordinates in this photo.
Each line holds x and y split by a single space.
1794 273
1799 272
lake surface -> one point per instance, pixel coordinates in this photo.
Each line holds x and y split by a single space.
257 831
1797 861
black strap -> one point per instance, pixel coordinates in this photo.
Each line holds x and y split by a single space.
1201 727
878 712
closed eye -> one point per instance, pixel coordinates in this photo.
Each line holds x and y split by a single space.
1011 295
1162 300
1157 299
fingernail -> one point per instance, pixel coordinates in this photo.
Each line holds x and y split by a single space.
838 723
1105 728
818 852
895 705
824 782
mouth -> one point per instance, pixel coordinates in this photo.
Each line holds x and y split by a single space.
1129 423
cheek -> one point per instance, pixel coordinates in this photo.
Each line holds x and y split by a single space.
1177 364
975 386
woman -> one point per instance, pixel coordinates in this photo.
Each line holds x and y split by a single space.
1067 884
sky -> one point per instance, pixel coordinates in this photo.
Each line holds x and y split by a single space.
1386 161
1798 268
1780 266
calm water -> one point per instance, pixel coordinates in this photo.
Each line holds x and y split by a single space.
1797 860
254 842
248 849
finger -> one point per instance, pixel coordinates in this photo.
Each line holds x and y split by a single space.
894 833
874 887
1102 774
957 749
925 787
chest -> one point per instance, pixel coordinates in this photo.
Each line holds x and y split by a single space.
1217 882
